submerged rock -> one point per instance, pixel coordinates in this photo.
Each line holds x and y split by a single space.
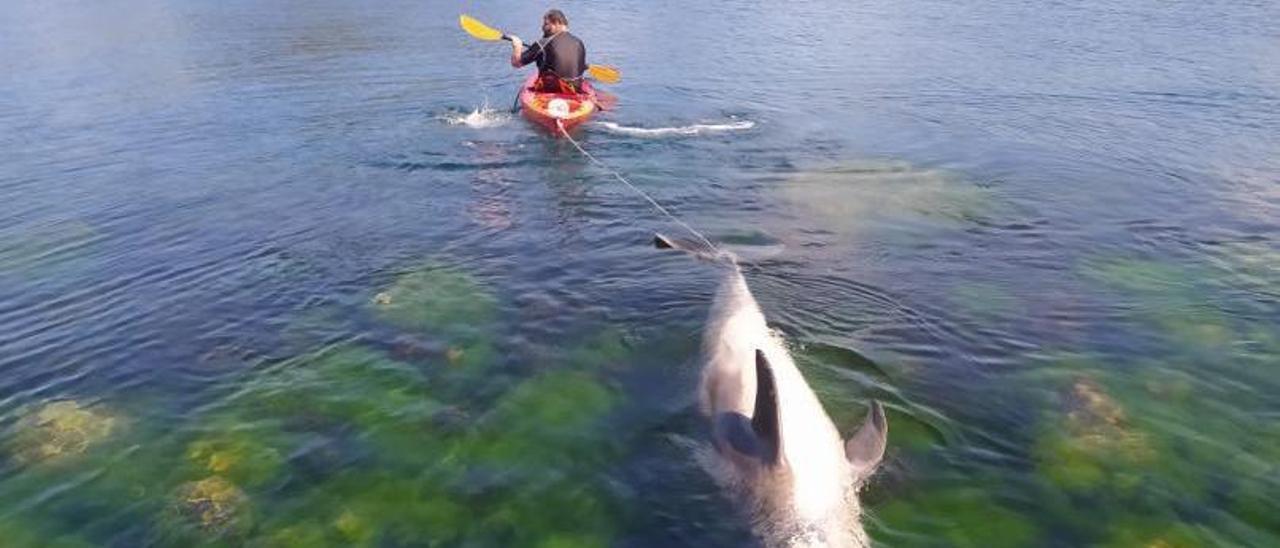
437 300
1093 445
214 506
57 430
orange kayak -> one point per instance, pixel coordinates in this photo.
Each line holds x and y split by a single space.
545 109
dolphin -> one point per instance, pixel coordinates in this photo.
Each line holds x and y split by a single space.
775 449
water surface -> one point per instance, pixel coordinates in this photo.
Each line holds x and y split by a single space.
286 273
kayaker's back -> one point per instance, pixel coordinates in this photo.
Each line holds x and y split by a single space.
566 57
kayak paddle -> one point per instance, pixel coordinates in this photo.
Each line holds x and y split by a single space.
480 30
603 73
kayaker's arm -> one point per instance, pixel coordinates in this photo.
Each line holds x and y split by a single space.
522 55
517 49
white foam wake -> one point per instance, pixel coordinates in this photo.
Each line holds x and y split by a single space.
694 129
482 117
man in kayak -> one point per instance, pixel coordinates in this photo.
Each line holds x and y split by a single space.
561 56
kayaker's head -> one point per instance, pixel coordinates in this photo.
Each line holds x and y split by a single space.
554 22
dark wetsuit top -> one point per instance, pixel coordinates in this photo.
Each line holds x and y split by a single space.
564 56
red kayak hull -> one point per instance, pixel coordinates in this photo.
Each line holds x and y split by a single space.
546 109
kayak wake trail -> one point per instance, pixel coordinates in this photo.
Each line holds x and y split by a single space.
692 129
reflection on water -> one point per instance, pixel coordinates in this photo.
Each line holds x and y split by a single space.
283 276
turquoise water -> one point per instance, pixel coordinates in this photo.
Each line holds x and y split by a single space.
287 274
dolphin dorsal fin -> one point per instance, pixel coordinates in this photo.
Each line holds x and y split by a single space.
764 420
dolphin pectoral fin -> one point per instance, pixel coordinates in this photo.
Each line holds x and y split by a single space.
865 449
733 430
764 420
757 437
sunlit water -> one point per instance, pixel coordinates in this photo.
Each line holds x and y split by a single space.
290 273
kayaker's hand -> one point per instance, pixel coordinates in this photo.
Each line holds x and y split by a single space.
515 41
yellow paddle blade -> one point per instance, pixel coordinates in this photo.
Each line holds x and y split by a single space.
478 29
604 73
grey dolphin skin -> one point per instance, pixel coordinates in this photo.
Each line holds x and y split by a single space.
776 450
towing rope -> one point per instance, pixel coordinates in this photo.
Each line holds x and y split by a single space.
619 177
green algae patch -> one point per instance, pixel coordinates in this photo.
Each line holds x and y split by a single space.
376 507
543 421
606 349
860 197
345 383
25 532
437 300
581 515
844 381
559 401
542 445
46 250
811 354
960 517
1141 276
1152 533
314 327
59 430
471 356
987 301
118 484
345 402
572 541
1176 301
238 455
1254 501
839 375
908 432
302 535
1156 288
1254 266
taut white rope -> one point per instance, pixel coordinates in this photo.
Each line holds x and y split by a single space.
618 176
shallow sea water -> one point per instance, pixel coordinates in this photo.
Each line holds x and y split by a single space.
291 274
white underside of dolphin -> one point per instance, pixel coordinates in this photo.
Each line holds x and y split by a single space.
777 450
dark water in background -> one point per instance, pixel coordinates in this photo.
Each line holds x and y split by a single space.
261 283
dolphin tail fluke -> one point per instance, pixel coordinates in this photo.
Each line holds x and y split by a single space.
693 247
